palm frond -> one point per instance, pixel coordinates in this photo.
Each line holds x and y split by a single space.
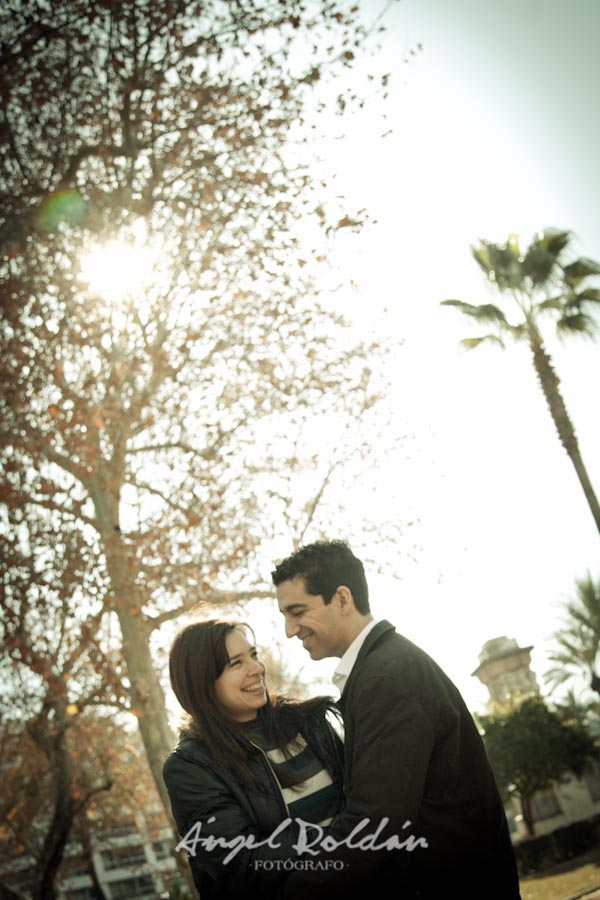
572 649
572 707
481 255
484 312
582 268
580 617
543 254
554 240
467 308
500 262
588 598
557 676
538 264
487 312
513 244
471 343
576 323
589 295
577 643
557 302
518 331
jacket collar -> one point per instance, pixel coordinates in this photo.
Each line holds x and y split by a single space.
376 636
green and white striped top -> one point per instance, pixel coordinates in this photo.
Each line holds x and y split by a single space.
314 798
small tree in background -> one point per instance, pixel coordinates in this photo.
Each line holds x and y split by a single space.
108 789
539 284
58 667
530 747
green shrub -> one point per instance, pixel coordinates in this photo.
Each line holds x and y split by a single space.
536 854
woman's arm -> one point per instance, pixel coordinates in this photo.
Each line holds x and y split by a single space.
223 841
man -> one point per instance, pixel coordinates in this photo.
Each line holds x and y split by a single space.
414 755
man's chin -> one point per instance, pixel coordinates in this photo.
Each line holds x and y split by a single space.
312 648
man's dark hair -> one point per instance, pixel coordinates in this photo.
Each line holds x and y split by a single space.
324 567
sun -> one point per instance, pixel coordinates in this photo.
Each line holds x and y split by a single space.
116 269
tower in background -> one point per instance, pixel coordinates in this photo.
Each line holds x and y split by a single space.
505 669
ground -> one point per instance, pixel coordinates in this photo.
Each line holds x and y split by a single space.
565 880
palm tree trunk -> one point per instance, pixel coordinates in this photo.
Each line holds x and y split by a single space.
550 385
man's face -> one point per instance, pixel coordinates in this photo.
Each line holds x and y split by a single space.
316 623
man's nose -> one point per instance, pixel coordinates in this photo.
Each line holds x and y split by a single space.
291 628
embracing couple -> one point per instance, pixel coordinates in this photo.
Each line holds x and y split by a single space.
387 791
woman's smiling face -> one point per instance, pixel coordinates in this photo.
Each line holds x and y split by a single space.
240 689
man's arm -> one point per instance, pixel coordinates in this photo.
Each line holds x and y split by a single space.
392 738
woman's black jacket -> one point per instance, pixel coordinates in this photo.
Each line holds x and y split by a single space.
209 801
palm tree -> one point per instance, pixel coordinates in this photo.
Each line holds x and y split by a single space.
539 284
578 641
572 708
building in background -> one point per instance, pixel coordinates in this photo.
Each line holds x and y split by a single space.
505 669
132 858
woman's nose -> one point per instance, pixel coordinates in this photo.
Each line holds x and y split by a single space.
258 666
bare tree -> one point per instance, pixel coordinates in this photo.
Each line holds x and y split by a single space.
146 418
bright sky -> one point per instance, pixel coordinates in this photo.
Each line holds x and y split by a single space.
495 130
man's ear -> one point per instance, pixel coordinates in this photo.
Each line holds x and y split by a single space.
345 599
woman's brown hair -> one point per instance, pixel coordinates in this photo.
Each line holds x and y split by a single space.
197 659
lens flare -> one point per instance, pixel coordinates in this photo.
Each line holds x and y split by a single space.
62 207
115 270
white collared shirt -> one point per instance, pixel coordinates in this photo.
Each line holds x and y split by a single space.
346 663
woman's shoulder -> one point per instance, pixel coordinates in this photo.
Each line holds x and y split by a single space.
192 768
189 750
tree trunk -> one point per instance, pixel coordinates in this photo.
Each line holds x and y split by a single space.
527 815
63 816
147 695
550 385
83 833
7 893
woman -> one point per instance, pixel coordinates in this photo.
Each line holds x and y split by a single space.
245 764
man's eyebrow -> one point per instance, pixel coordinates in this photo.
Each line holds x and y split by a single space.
291 607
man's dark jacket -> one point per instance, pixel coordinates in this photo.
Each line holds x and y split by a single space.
413 754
